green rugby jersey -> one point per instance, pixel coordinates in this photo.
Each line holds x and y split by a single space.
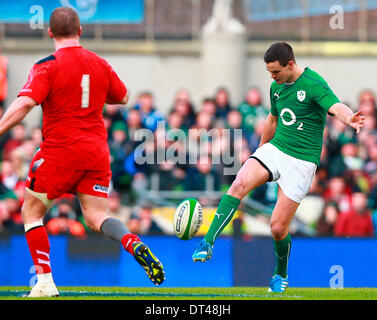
301 108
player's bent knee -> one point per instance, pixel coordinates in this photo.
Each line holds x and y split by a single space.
35 206
92 225
238 189
279 230
94 220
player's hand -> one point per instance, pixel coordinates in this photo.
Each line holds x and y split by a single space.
357 121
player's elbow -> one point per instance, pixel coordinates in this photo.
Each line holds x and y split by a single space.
125 99
26 102
113 101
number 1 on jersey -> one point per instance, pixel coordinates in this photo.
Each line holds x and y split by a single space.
85 82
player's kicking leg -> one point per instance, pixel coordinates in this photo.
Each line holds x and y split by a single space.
33 211
251 175
94 210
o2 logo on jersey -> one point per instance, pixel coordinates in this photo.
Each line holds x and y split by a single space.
292 116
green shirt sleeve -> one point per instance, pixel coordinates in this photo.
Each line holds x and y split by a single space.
324 97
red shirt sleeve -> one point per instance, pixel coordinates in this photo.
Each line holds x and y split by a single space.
37 86
117 89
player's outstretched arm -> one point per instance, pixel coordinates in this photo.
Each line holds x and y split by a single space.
16 113
347 116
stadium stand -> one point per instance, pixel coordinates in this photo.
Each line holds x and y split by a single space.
164 184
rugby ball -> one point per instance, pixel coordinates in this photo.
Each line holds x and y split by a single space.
188 218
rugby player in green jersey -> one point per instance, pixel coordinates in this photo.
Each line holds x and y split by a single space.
289 152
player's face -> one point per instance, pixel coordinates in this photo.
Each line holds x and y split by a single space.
278 72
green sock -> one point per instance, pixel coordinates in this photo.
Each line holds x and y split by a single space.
282 250
224 213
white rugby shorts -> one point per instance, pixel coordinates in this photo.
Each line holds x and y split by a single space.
294 176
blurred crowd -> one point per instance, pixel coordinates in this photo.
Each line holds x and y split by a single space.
189 148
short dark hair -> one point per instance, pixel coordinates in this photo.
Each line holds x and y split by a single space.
64 22
208 100
280 51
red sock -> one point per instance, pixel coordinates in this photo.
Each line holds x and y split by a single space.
127 241
39 247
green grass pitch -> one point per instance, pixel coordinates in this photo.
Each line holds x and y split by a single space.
211 293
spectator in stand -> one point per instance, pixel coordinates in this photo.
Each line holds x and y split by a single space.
117 209
209 106
184 106
337 135
184 95
21 158
368 108
222 101
10 210
118 135
338 192
171 175
238 139
175 121
222 154
357 222
199 137
18 135
9 177
133 126
64 222
234 120
171 159
368 136
117 145
113 112
133 224
239 225
203 121
367 103
4 138
240 144
202 176
4 214
326 222
19 187
221 144
252 110
142 220
370 168
348 159
3 80
36 137
254 138
150 116
370 125
374 221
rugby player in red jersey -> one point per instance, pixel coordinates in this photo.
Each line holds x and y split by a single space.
72 85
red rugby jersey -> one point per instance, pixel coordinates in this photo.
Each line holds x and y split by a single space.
72 86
